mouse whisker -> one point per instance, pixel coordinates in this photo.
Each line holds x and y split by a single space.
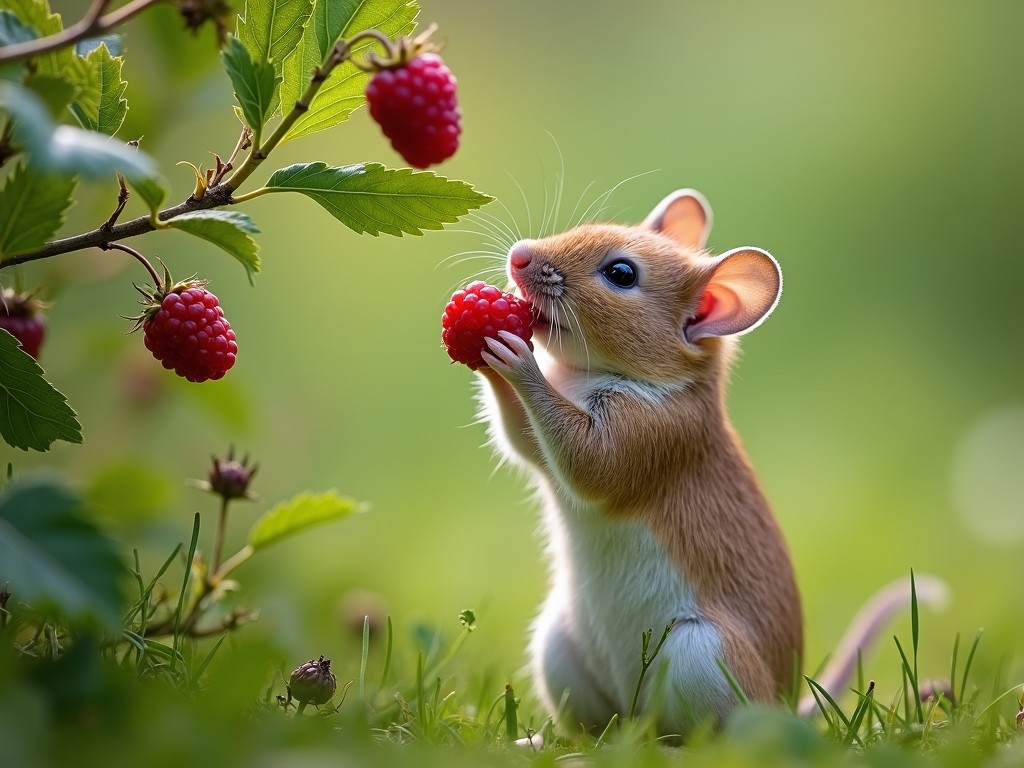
601 199
507 234
579 331
526 203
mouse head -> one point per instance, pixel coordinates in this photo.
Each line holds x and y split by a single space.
648 302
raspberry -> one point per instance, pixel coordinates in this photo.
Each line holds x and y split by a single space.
189 333
414 103
20 315
479 311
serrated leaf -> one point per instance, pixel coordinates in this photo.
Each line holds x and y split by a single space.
299 513
32 207
229 230
54 558
271 29
100 104
33 414
36 13
67 150
153 191
374 199
254 83
343 92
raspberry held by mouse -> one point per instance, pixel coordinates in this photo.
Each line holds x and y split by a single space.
478 312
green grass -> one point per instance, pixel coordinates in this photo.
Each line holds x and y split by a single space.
84 700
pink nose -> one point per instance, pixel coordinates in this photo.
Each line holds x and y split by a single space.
519 256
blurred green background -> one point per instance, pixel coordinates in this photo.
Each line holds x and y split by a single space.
874 148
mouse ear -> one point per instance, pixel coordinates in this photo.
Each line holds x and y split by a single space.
685 216
744 287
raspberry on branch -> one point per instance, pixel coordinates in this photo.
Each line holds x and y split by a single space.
412 96
184 326
21 316
477 312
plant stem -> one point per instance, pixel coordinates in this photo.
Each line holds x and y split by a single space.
339 54
234 561
142 259
97 238
218 538
91 25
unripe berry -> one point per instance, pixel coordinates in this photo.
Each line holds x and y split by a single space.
313 682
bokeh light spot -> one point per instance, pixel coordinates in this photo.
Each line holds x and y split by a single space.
988 476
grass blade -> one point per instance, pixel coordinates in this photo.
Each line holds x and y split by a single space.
387 656
910 674
511 715
184 589
967 665
363 657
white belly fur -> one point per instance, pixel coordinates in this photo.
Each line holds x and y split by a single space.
611 581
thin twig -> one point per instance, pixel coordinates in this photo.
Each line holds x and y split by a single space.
97 238
122 201
142 259
91 25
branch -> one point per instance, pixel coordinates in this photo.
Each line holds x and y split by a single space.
91 25
216 196
338 55
97 238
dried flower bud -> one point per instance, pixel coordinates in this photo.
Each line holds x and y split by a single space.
313 682
230 479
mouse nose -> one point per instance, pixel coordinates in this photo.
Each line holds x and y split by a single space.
519 255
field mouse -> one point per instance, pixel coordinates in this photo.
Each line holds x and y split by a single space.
652 512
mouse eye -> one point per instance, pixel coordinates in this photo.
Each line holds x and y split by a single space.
620 273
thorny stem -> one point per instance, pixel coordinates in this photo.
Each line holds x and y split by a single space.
92 24
137 255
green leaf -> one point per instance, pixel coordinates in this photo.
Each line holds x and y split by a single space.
100 104
374 199
54 558
32 413
32 207
63 149
36 13
229 230
271 29
343 92
254 82
55 92
153 191
14 30
299 513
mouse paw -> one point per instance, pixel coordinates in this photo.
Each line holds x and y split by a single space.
512 358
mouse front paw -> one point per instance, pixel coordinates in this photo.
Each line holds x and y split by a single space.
512 358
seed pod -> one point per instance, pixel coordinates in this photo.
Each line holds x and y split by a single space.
313 683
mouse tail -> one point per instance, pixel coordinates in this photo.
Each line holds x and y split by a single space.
870 620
